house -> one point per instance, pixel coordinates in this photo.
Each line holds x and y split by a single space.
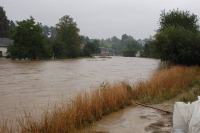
105 51
138 54
4 43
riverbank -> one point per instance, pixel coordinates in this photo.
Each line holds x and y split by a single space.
165 85
140 119
135 119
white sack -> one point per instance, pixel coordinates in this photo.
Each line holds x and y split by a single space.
186 117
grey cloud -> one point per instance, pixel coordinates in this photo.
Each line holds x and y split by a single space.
100 18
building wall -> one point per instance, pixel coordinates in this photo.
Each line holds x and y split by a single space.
138 54
3 50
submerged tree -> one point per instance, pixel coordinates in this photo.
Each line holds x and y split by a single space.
67 38
90 46
29 41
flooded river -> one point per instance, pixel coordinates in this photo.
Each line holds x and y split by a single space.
29 85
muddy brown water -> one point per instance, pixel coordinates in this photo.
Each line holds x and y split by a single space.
33 85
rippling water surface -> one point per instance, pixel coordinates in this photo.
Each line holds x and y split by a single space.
29 85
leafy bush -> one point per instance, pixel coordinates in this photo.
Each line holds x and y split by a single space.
29 42
68 38
178 39
179 18
178 45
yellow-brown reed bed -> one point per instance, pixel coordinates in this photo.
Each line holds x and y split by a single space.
87 108
166 84
82 111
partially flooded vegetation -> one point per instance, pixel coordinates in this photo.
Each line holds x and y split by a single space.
28 43
89 107
166 84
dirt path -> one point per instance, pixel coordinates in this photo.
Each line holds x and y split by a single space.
135 120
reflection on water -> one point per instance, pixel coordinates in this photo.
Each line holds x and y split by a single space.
26 85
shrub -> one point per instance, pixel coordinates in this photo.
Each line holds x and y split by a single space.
178 39
178 45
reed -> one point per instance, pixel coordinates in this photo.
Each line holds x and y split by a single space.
6 127
165 84
82 111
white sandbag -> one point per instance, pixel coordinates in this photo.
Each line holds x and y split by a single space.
186 117
181 117
178 131
194 125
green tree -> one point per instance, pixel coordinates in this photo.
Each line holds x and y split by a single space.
49 32
29 41
178 39
4 24
91 47
130 46
59 49
116 45
46 31
68 36
123 46
149 49
178 18
12 27
179 45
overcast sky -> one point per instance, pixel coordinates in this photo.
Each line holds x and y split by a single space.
100 18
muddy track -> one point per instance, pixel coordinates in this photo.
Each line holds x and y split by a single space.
135 120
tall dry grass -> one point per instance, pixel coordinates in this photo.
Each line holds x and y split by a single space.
6 127
89 107
82 111
165 84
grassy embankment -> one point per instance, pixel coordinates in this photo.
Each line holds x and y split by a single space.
86 108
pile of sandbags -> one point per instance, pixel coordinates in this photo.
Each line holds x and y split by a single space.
186 117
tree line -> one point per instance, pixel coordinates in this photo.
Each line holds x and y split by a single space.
124 46
32 40
177 40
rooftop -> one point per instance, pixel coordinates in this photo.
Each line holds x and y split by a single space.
5 42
